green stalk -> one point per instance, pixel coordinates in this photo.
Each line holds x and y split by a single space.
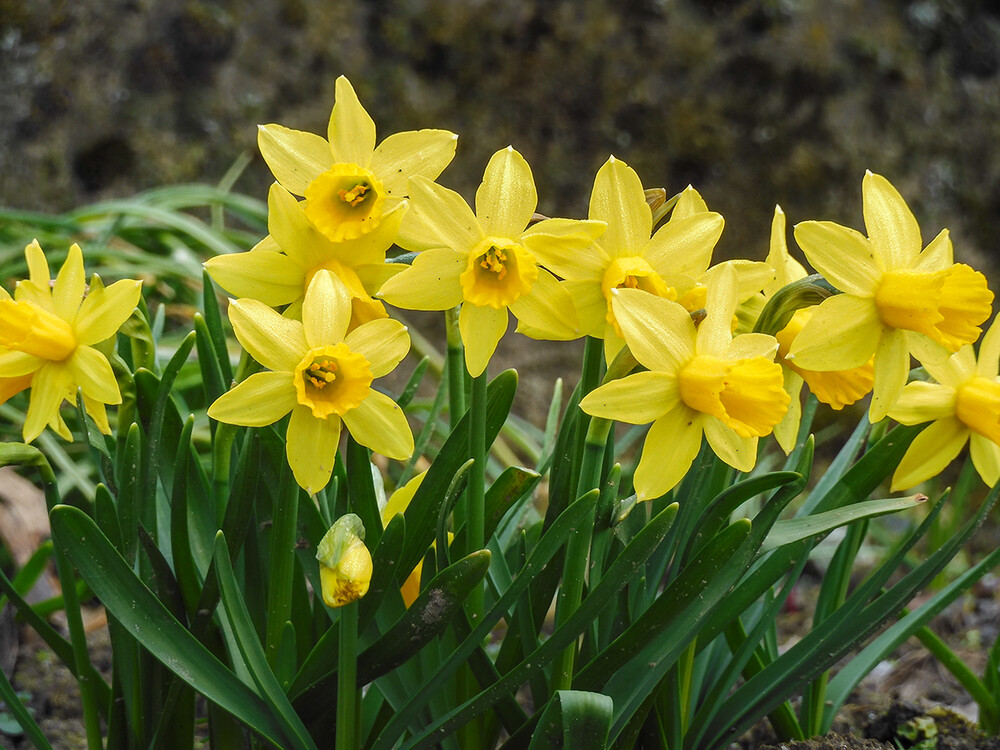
74 621
475 519
989 712
348 727
283 538
455 366
591 442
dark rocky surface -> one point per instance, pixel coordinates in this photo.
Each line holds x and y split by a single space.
753 101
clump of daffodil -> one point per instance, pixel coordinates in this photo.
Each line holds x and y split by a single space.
351 185
964 407
345 564
486 261
321 374
671 264
279 269
838 388
698 382
897 298
48 333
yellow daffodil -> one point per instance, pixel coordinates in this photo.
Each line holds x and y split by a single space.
47 337
671 264
699 382
278 270
345 564
486 261
897 299
350 185
837 388
964 406
322 375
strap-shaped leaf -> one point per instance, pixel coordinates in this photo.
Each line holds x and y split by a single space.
575 720
135 606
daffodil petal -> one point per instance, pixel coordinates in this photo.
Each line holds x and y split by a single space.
52 384
613 343
738 452
92 372
892 228
989 352
786 268
506 198
923 402
273 340
374 275
569 255
272 278
685 246
105 309
715 334
689 203
751 277
326 310
351 130
929 453
618 200
67 292
311 448
380 424
635 399
292 230
12 386
383 343
261 399
842 333
481 329
843 256
591 306
38 266
986 458
892 365
431 283
98 413
14 364
444 214
296 158
749 345
786 432
671 445
659 332
414 152
938 255
547 312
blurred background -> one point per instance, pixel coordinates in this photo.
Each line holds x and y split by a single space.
754 102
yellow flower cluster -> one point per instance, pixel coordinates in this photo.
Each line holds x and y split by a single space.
615 276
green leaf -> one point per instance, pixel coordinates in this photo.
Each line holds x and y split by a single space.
23 722
424 509
212 376
427 618
575 720
807 527
143 615
252 651
213 322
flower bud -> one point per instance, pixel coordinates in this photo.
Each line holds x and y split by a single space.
345 564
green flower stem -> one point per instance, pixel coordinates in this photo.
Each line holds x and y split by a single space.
455 366
348 703
283 537
476 495
74 621
592 439
989 711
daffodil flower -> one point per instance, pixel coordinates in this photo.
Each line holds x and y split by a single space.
322 375
699 382
279 269
47 336
671 264
963 406
486 261
345 564
350 185
897 299
838 388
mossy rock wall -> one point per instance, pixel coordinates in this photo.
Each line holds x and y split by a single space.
753 102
